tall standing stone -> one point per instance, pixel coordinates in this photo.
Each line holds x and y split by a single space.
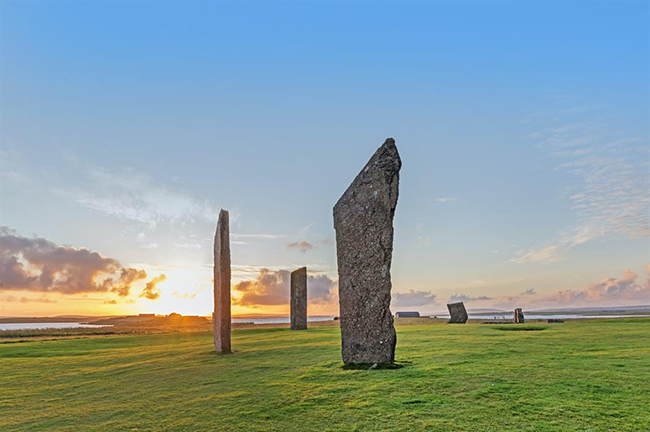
363 220
221 316
299 299
519 316
457 313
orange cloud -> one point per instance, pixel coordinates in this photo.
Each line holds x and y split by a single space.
151 291
12 299
272 288
36 264
626 288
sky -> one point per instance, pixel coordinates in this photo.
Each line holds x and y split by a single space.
523 129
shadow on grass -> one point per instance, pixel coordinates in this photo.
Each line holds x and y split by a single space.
519 328
414 402
375 366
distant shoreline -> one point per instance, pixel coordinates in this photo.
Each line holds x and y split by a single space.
614 312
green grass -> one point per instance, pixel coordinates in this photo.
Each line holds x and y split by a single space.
576 376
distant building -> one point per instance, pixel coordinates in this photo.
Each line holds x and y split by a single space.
147 315
407 314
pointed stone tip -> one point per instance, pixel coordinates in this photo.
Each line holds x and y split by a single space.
224 217
389 148
389 144
385 159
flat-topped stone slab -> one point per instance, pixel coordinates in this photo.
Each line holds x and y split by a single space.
457 313
519 316
298 303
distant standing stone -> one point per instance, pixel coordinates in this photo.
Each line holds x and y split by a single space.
458 313
221 316
299 299
363 220
519 316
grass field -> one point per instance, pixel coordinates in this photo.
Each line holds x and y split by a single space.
577 376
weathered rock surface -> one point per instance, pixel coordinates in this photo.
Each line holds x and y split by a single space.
519 316
458 313
221 316
363 220
299 299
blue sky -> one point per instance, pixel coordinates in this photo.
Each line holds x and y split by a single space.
523 129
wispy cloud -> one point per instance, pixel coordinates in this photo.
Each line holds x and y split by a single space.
13 299
256 236
138 197
188 245
12 170
246 272
184 295
302 246
465 298
609 190
446 199
304 230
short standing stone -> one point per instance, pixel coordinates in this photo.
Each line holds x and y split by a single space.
458 313
363 220
299 299
519 316
221 316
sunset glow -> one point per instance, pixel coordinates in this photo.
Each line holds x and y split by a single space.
524 182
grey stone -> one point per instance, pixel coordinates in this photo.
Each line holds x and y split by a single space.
299 299
363 220
457 313
221 317
519 316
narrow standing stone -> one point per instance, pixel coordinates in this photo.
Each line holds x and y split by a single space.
363 220
221 316
519 316
299 299
457 312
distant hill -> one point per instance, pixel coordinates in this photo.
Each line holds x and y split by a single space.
148 320
481 311
617 309
54 319
473 311
605 310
